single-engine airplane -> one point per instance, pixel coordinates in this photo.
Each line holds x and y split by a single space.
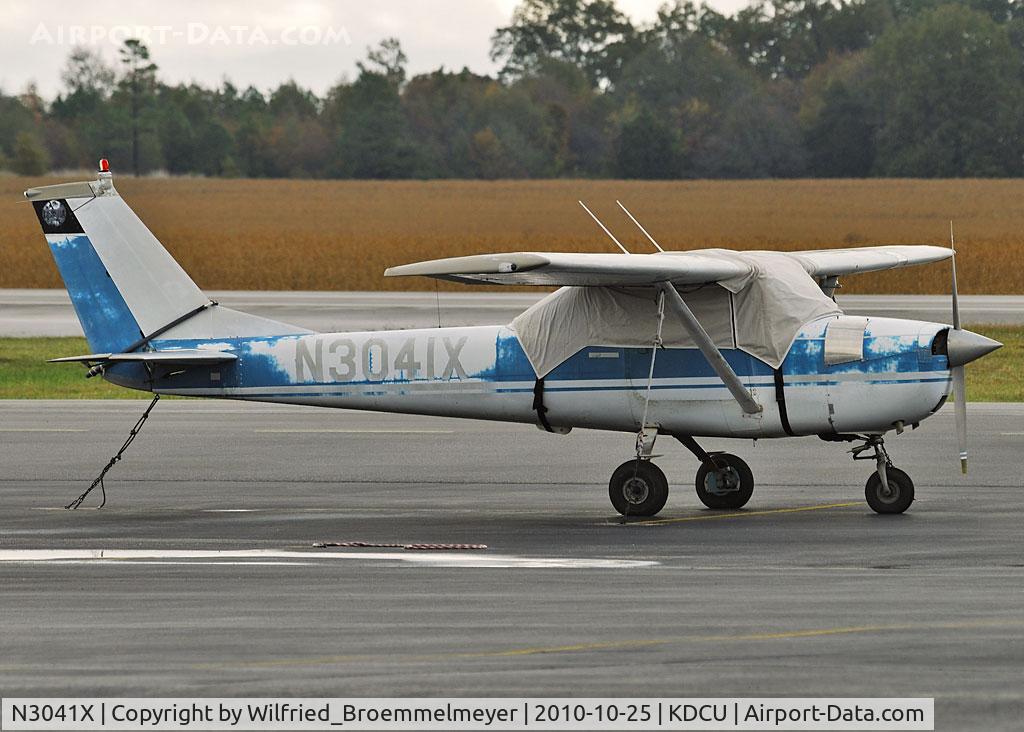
708 343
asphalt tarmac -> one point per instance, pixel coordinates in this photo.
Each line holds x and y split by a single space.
31 313
200 576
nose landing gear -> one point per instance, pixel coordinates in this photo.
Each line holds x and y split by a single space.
888 489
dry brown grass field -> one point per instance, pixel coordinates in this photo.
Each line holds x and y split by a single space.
340 235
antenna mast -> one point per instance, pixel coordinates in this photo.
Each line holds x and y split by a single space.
639 226
604 228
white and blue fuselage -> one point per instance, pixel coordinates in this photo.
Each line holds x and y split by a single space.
482 372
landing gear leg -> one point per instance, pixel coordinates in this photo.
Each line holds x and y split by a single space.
888 489
724 481
639 487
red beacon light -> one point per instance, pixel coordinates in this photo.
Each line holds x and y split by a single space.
103 179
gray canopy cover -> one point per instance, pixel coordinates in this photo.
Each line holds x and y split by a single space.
760 312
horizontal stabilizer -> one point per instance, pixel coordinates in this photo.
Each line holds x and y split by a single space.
182 356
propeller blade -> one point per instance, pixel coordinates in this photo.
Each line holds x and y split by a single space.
960 407
959 377
956 296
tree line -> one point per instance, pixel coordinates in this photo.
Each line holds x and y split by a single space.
781 88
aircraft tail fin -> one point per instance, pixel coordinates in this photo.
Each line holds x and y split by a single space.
125 287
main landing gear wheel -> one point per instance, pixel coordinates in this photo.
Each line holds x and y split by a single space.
896 497
638 488
724 481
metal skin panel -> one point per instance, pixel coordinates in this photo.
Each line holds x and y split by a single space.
483 373
222 322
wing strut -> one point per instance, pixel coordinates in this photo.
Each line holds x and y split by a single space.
710 350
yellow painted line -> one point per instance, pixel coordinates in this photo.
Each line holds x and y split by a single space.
743 514
631 644
40 429
357 432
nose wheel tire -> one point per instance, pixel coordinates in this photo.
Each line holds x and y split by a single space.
638 488
724 481
896 498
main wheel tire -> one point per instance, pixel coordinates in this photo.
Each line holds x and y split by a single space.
638 488
725 481
899 496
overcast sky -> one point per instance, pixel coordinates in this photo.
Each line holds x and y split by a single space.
260 42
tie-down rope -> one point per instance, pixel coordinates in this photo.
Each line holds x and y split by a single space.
114 460
410 547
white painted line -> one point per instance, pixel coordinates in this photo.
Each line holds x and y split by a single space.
356 431
1012 434
426 558
202 510
40 429
185 564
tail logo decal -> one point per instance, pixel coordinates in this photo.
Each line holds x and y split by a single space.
56 217
54 213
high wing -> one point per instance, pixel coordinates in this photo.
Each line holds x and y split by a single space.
680 268
557 269
835 262
170 357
